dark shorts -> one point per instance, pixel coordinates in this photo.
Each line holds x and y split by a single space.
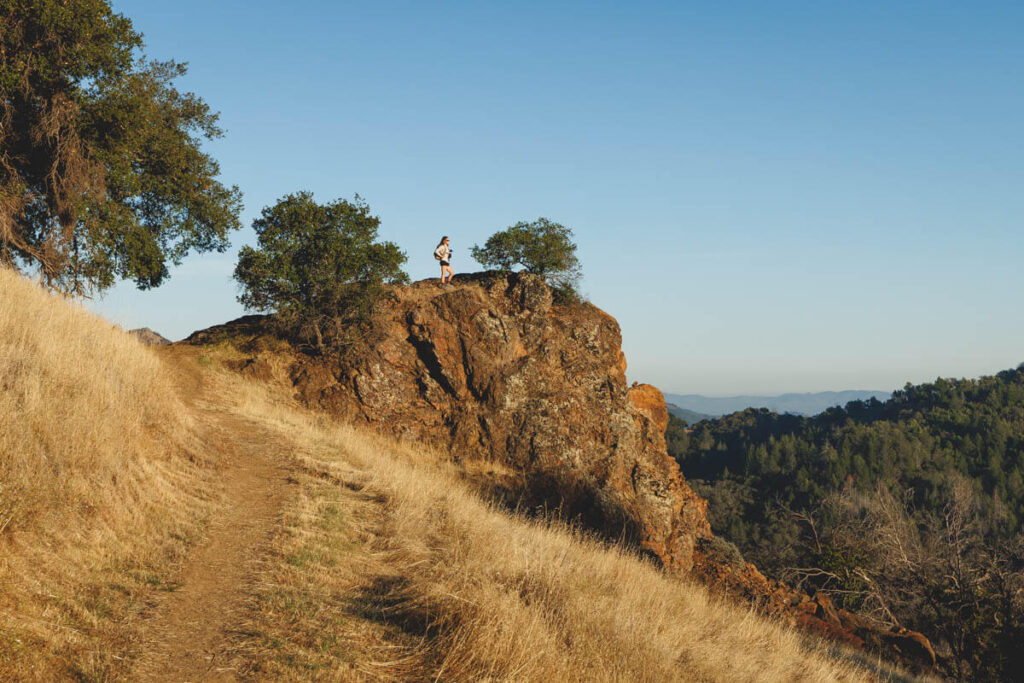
444 263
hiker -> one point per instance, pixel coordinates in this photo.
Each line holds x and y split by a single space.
443 253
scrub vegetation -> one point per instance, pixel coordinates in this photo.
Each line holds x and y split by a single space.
908 511
318 267
541 247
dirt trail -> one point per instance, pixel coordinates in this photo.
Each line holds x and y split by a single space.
187 636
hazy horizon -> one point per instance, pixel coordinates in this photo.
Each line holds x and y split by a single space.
769 198
823 391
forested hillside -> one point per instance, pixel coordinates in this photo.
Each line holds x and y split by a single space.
908 510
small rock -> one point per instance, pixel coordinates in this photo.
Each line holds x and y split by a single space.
149 337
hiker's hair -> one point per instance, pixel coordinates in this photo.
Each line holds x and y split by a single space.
442 240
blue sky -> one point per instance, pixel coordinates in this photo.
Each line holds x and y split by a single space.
769 197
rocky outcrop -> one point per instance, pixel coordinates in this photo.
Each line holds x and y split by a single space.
149 337
490 370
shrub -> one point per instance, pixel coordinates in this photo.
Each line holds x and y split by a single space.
722 551
318 266
541 247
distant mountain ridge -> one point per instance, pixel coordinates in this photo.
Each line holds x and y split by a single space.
690 416
796 403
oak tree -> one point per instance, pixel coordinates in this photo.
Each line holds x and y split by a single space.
319 267
102 175
542 247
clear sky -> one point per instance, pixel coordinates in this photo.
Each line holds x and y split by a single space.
768 196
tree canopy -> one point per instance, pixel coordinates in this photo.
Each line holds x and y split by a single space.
318 266
909 510
102 175
542 247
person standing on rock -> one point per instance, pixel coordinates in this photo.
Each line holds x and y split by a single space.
443 253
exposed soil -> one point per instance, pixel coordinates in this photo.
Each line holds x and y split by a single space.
188 633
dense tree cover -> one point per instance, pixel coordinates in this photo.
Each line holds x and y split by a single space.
319 267
542 247
101 171
908 510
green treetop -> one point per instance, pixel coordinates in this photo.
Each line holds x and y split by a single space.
318 266
542 247
101 172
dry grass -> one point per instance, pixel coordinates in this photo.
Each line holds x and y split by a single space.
385 565
388 567
98 490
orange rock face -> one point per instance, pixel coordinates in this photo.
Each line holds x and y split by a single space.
649 401
490 369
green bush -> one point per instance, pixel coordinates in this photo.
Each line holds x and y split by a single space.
318 266
543 248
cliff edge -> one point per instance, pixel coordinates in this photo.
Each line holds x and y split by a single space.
491 371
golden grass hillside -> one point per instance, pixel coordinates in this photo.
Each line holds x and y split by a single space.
388 566
98 487
381 562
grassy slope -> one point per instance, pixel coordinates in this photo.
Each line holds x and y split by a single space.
100 489
385 565
388 566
